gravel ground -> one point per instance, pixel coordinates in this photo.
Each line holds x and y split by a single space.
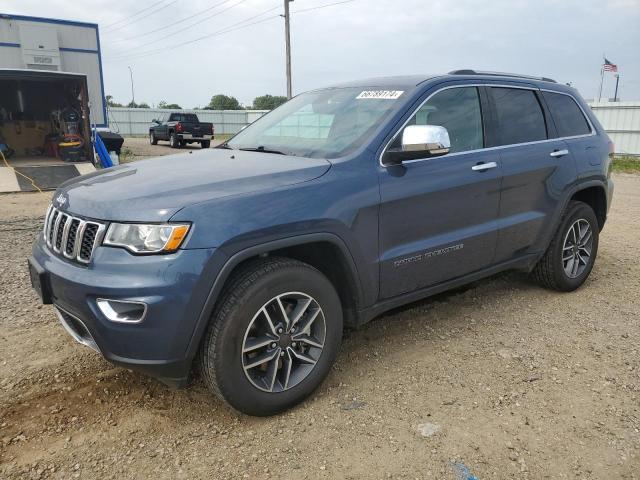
140 148
502 379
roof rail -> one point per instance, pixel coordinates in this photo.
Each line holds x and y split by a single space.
468 71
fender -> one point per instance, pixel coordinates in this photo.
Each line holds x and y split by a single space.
562 205
235 259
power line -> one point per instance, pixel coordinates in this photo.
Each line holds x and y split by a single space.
129 17
287 35
322 6
140 55
134 20
192 25
229 29
172 24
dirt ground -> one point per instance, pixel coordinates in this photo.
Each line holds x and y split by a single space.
501 380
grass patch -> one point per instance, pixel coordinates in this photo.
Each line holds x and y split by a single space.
626 164
126 155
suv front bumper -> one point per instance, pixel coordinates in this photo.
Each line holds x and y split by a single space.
174 287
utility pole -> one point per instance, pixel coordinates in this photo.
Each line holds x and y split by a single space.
615 95
288 45
133 97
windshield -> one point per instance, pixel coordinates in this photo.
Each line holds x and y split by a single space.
321 124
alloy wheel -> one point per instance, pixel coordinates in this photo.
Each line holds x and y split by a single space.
577 247
283 342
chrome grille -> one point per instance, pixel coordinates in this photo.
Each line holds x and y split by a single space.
72 237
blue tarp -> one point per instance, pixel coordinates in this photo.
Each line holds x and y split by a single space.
101 150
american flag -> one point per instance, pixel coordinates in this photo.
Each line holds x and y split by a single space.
609 67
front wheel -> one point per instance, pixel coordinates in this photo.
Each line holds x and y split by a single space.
570 257
273 337
152 138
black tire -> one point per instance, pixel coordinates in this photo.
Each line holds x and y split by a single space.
173 140
152 138
550 269
251 288
205 144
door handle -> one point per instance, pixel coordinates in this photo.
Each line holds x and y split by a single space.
559 153
484 166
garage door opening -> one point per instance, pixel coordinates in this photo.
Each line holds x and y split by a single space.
44 122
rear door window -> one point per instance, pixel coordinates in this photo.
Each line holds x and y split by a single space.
567 115
520 117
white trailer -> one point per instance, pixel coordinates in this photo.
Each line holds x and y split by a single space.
34 43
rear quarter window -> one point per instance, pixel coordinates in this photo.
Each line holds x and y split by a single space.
567 115
520 117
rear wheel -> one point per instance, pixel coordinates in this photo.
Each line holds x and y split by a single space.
152 138
273 337
205 144
570 257
173 140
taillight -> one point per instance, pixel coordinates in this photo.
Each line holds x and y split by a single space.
178 127
212 130
612 148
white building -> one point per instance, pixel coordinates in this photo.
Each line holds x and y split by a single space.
55 45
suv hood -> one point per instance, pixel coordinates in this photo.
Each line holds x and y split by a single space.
154 190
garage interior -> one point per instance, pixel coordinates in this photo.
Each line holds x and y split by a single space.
44 126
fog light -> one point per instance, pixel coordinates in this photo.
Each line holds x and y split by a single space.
122 311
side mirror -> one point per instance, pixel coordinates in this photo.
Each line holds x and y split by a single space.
156 121
419 141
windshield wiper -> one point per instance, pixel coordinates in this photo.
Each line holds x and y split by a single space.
262 150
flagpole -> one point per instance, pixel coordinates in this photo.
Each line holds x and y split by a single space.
615 95
601 80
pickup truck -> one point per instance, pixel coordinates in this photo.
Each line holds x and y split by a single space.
250 260
180 129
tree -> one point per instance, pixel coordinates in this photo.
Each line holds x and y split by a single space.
111 103
164 104
137 105
223 102
268 102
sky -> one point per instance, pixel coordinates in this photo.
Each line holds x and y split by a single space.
243 54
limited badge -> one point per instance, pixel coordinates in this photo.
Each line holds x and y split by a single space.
380 94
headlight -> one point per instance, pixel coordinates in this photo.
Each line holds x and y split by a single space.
139 238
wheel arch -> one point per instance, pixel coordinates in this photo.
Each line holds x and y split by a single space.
325 251
596 197
590 190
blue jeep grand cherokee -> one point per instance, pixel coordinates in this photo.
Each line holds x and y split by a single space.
250 259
